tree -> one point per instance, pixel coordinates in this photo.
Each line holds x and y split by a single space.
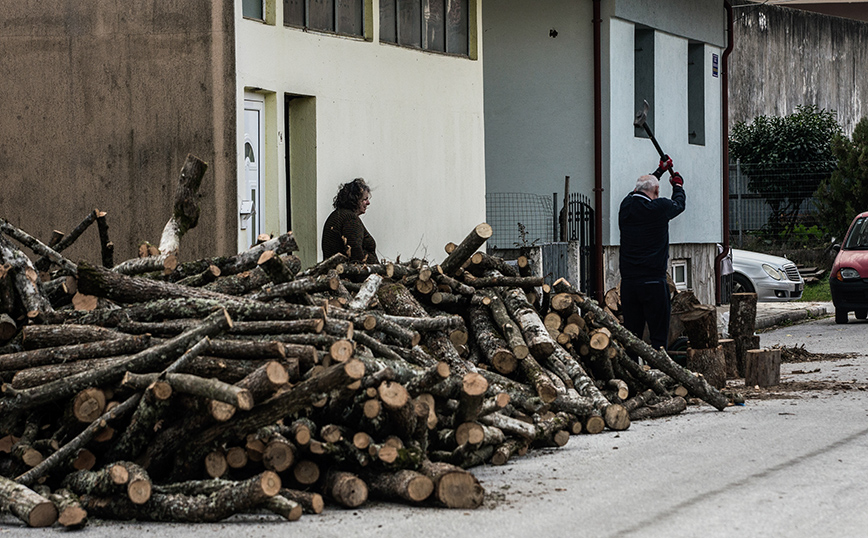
785 159
845 193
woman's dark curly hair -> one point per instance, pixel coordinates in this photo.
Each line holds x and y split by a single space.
350 194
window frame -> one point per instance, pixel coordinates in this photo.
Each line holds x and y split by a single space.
676 264
468 22
364 5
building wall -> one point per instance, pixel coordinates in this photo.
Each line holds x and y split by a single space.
539 96
409 122
786 57
103 101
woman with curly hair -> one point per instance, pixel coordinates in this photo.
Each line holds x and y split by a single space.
343 231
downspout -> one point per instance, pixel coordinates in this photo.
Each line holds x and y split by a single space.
598 153
724 80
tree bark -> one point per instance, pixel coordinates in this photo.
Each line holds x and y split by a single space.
232 499
494 348
465 249
763 367
700 324
742 314
25 504
405 485
62 354
711 363
663 408
152 357
453 486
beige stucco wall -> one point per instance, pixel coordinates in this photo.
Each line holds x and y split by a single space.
409 122
102 102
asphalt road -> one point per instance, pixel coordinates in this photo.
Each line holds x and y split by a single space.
793 465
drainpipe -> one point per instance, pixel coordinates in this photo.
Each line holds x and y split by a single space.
724 81
598 153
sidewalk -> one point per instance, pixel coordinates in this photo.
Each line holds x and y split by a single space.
773 314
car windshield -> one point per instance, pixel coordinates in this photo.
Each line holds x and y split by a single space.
858 238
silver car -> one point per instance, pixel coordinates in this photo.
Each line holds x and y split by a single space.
772 278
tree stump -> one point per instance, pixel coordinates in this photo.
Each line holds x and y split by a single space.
711 363
700 325
728 345
742 314
743 344
763 368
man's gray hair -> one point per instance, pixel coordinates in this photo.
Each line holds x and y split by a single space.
647 183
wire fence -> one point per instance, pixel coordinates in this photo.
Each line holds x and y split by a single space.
774 203
519 219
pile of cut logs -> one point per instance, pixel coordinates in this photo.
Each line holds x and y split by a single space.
166 391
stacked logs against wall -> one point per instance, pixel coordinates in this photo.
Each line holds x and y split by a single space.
193 391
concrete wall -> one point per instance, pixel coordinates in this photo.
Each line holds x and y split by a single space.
409 122
786 57
103 101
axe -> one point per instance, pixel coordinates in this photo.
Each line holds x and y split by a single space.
641 121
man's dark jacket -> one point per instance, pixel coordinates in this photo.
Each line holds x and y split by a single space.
644 225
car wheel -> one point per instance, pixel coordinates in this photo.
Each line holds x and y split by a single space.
861 313
841 316
741 284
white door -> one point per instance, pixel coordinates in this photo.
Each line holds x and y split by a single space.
250 186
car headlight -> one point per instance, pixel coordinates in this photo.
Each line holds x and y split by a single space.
772 272
848 274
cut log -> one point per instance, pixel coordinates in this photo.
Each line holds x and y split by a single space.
232 499
25 504
700 325
711 363
730 357
453 486
465 249
744 344
662 408
406 485
346 489
763 367
70 514
742 314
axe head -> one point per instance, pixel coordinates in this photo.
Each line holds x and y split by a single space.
642 116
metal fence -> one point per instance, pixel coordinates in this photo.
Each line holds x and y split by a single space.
519 219
786 208
524 219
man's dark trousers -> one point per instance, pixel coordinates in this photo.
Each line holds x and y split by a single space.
646 300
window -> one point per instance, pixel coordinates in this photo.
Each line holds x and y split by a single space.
253 9
643 75
681 274
696 94
433 25
344 17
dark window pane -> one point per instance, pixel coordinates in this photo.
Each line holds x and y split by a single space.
387 21
252 9
322 15
293 12
456 27
350 17
435 28
410 23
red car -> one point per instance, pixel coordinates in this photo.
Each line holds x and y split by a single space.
849 279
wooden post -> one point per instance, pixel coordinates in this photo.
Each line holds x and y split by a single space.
728 345
763 367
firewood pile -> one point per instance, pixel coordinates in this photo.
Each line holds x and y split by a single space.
159 390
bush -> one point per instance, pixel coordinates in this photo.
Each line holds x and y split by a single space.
845 194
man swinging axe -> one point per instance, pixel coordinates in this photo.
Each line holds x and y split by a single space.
643 221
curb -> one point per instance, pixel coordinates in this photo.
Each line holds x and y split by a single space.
800 314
